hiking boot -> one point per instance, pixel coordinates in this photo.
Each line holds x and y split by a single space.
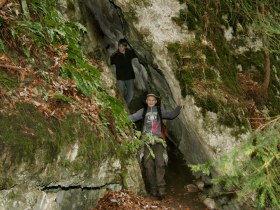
161 193
153 192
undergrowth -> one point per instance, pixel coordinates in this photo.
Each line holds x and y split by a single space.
252 169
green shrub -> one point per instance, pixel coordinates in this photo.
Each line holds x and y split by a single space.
252 169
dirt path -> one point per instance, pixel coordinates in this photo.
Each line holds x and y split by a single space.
178 176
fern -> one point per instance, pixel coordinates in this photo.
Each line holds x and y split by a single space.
252 168
7 81
63 97
47 26
123 124
41 27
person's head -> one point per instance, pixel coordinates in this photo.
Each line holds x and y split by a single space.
122 44
151 100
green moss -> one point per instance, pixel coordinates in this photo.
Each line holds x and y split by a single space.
24 132
237 131
178 21
193 72
273 102
173 48
95 150
233 115
192 17
185 81
207 103
6 183
226 117
183 14
2 46
28 131
144 3
274 87
71 6
225 63
251 59
210 56
221 60
210 74
124 176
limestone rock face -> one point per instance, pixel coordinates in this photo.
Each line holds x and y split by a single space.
149 28
58 185
69 181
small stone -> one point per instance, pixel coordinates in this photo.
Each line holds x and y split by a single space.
192 188
200 184
35 91
36 103
210 203
223 200
206 179
114 200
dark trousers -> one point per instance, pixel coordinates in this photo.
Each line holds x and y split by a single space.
126 88
155 168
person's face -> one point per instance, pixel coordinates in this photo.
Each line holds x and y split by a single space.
151 101
122 48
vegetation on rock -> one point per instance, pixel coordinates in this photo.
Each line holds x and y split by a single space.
51 94
213 68
228 69
252 169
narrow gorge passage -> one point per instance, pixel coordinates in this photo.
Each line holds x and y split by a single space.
178 177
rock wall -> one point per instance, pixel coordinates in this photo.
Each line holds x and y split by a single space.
53 169
149 28
67 181
72 174
45 190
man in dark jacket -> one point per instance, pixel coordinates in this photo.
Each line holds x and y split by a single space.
154 149
124 71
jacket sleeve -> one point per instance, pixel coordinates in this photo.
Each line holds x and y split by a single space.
136 116
112 59
170 115
132 53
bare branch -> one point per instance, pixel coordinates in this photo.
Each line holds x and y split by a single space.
9 66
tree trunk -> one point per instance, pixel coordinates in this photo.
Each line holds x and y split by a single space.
267 72
267 58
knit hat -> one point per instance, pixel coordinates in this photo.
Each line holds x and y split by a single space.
152 94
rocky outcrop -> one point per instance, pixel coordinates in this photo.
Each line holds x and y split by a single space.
63 163
75 178
66 182
64 190
149 28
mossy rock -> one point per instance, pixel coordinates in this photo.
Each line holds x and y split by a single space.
185 82
27 131
6 183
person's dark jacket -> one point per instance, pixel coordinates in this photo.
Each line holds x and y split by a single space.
124 69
